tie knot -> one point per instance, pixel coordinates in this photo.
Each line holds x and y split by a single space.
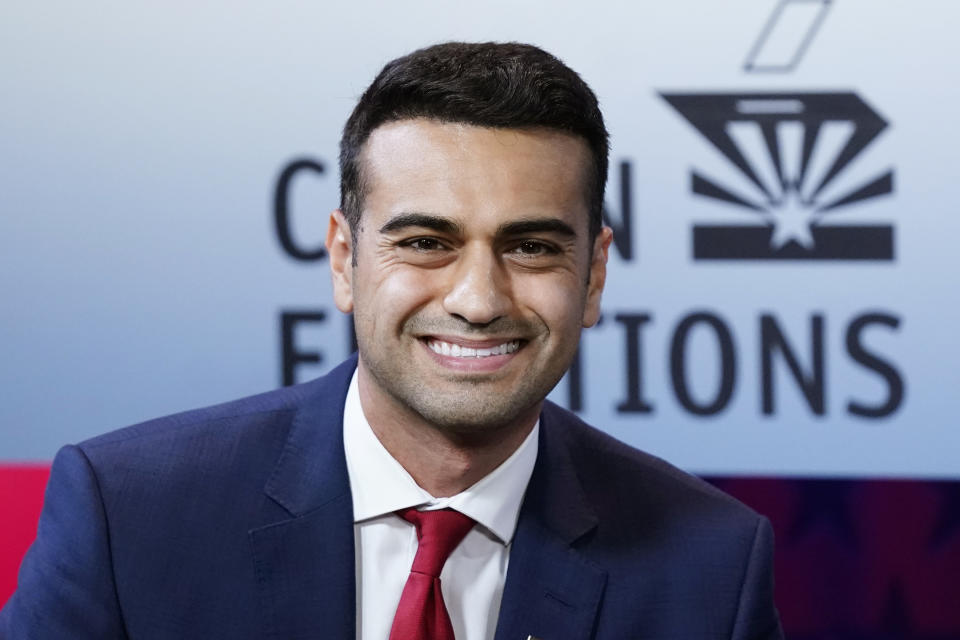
439 532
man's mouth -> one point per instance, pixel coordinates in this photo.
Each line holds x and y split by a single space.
443 348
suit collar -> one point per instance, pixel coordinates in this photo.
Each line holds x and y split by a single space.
555 498
552 590
305 564
312 470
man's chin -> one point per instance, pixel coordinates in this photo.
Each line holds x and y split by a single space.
478 416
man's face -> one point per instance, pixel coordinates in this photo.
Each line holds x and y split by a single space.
473 271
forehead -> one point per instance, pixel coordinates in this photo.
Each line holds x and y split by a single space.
464 170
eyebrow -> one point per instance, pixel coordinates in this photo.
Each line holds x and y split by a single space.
425 220
536 225
446 225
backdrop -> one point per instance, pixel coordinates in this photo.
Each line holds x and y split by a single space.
782 298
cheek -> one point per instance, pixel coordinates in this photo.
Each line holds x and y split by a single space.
558 301
396 291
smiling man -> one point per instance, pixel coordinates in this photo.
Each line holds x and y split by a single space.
470 273
424 489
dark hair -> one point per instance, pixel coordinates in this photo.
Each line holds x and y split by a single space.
504 85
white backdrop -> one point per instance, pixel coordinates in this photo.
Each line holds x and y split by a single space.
141 272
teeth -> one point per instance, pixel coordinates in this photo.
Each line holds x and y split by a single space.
455 350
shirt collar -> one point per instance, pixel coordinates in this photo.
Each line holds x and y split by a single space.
380 485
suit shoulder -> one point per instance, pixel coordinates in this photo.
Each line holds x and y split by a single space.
229 449
221 439
194 422
613 471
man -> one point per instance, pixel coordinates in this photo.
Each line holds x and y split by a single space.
425 488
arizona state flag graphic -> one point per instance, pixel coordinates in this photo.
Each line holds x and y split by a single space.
792 148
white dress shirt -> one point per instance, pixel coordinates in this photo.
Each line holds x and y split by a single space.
473 577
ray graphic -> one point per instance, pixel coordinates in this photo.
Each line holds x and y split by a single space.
880 186
866 129
748 137
704 186
830 138
789 144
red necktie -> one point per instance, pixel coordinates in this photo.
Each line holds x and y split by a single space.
421 614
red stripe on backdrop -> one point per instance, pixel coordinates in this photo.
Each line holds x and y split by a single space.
21 498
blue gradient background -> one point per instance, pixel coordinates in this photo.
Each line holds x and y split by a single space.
140 274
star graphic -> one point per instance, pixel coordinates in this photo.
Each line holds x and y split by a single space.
792 221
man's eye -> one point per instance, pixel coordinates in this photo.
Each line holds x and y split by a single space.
533 248
424 244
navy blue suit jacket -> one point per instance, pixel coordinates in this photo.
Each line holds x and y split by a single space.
236 522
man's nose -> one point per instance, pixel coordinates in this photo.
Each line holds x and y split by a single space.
479 290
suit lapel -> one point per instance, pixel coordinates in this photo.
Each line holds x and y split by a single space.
552 590
305 564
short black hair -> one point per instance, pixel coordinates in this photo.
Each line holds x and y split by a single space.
488 84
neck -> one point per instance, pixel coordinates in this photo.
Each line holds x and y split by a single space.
442 461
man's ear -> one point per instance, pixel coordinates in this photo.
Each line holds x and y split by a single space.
340 247
598 276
